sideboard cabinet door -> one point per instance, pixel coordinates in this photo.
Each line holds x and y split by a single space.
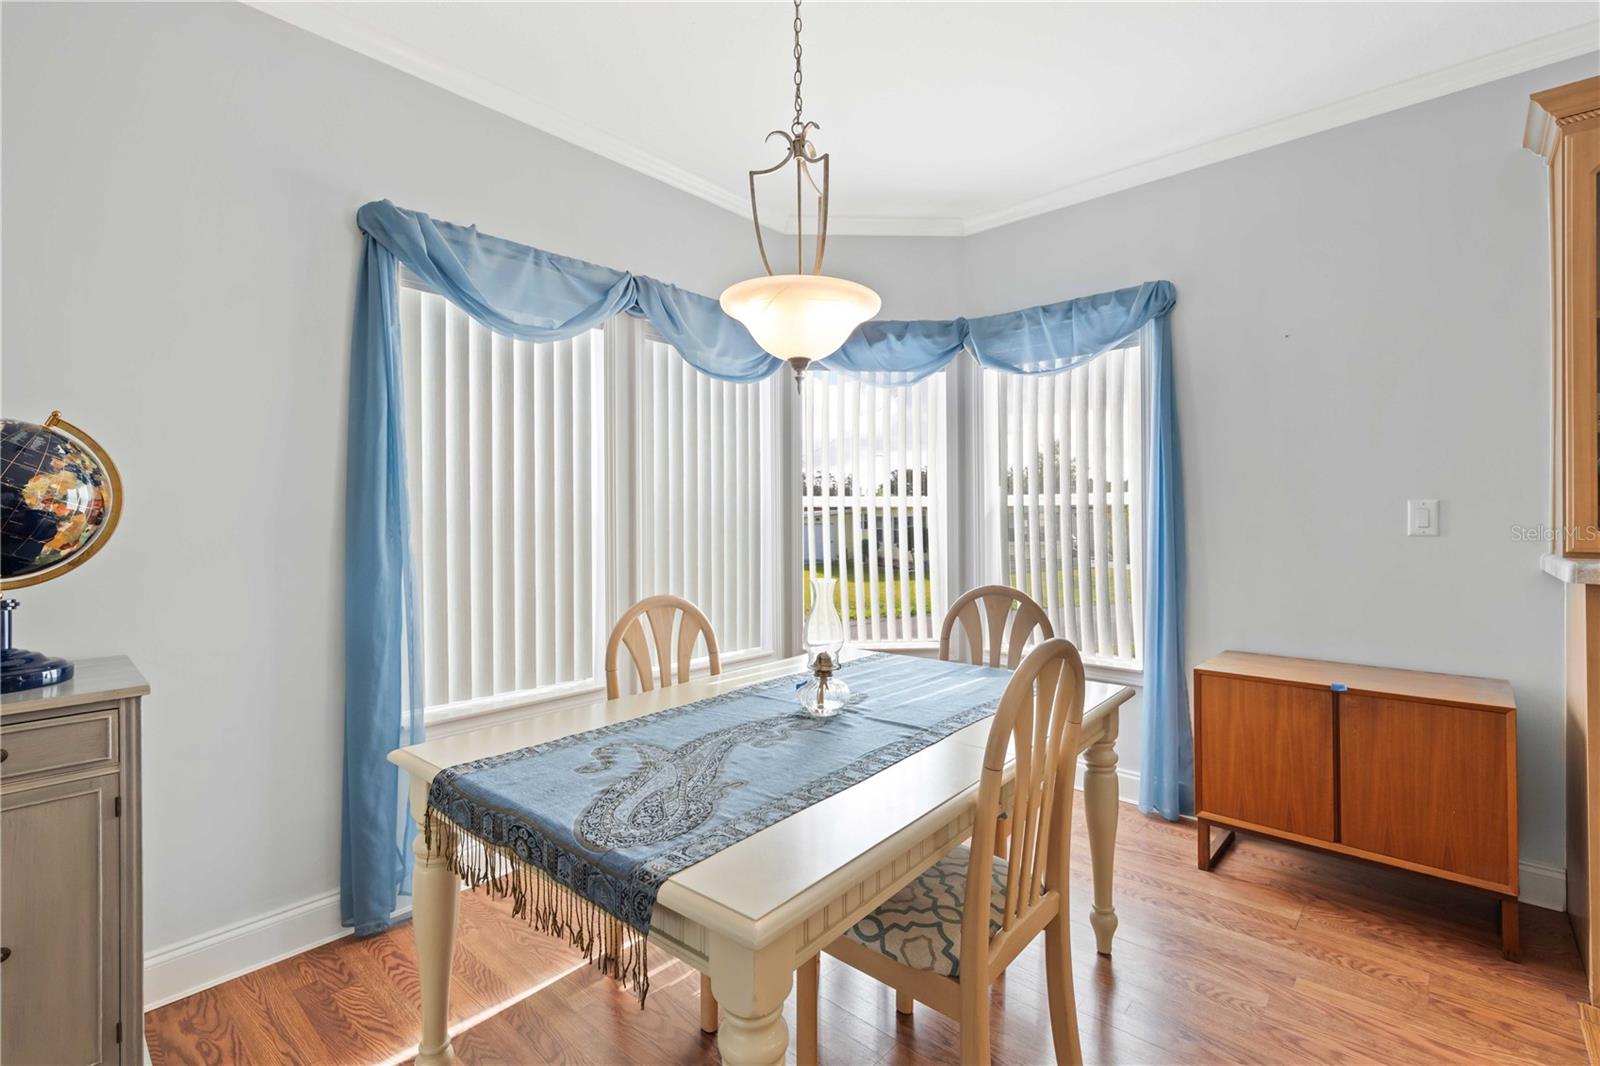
1427 783
1264 754
59 897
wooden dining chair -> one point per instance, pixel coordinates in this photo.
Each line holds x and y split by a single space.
992 604
945 938
660 612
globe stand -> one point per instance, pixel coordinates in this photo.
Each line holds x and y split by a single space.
21 669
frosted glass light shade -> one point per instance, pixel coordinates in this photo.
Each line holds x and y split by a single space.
800 316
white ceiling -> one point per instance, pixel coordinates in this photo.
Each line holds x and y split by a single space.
949 118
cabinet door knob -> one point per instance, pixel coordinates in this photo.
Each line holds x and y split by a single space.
3 754
5 953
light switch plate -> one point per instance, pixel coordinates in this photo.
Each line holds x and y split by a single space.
1422 518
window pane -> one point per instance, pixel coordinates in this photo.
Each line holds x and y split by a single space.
506 517
700 491
1069 498
873 503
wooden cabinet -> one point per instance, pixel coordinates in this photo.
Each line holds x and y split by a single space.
1270 749
59 887
1430 784
1564 127
71 958
1398 767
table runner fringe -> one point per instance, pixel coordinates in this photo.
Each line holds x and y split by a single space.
616 949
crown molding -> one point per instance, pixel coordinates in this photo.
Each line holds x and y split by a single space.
1568 44
324 20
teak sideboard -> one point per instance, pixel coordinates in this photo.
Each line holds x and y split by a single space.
1408 769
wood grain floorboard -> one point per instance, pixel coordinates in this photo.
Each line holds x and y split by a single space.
1280 955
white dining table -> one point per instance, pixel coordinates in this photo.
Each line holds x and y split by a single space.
750 914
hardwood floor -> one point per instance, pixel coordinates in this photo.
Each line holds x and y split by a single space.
1280 955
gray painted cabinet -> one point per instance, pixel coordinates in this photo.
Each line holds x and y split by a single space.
71 954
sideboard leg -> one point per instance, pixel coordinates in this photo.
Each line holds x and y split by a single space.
1510 930
435 901
1209 855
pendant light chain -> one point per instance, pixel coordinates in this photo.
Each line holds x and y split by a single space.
797 126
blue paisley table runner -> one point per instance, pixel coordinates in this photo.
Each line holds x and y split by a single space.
583 830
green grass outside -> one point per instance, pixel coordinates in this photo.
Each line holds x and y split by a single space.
860 596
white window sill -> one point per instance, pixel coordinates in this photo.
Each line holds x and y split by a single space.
464 715
1114 673
912 647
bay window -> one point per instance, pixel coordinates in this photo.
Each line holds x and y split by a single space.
554 484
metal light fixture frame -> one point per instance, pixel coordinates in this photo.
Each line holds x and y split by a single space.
801 152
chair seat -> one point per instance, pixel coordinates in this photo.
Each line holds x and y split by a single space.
920 926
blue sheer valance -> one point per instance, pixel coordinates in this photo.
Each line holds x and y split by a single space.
534 295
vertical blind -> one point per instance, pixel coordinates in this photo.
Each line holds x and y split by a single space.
1068 495
701 491
505 452
873 495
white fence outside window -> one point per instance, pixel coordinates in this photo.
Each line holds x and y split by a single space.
1065 507
873 499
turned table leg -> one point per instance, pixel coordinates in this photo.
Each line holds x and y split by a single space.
750 985
435 899
1100 811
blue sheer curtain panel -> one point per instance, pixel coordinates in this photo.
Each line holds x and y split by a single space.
382 668
533 295
1166 774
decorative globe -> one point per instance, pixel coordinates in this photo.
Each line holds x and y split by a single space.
59 498
59 501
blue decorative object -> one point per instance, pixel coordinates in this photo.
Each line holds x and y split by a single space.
533 295
610 814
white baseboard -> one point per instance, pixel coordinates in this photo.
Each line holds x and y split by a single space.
1543 886
209 959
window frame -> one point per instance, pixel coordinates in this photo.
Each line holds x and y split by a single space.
613 438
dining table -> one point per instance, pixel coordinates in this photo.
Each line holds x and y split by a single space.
750 914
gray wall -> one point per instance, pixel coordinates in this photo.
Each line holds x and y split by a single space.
1363 316
1362 319
179 191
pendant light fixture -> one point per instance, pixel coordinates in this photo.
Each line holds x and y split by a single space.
799 317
